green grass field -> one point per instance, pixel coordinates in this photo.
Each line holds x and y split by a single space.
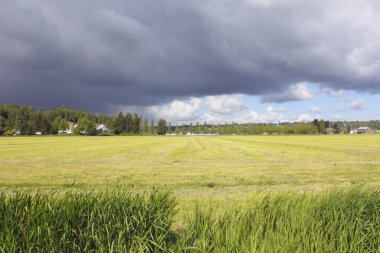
190 165
230 194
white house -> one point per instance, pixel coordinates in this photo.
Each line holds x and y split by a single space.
68 130
38 133
102 128
354 131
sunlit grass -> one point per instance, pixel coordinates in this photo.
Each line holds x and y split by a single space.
190 164
333 221
229 194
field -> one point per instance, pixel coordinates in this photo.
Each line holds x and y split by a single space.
190 165
234 193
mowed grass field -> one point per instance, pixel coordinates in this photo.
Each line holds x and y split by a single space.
220 194
190 165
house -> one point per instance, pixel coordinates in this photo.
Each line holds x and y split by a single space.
365 130
38 133
69 130
330 130
102 128
353 131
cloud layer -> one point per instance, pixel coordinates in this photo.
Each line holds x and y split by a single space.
92 54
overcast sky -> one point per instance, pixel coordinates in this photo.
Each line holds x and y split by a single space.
214 60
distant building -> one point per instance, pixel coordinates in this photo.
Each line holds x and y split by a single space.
365 130
330 130
353 131
38 133
102 128
69 130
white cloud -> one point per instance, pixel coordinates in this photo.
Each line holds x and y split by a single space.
305 117
298 91
178 110
301 91
214 118
271 109
225 104
357 104
254 117
251 117
314 109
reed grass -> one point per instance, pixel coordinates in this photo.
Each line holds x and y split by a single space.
344 220
90 222
334 221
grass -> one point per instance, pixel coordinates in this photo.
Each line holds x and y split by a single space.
79 222
229 194
336 221
199 165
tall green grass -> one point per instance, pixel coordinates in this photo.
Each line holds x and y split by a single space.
336 221
333 221
91 222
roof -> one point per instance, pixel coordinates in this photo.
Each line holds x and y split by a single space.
363 128
102 127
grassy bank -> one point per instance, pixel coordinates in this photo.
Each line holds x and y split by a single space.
334 221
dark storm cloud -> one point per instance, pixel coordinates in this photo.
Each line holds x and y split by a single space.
90 54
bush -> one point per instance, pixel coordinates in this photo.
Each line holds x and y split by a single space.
105 134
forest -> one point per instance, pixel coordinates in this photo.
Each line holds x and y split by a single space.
26 120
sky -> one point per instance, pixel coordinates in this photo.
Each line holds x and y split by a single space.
200 60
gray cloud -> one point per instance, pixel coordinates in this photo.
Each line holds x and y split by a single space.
89 54
299 91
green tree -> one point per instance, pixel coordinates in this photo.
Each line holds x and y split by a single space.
219 130
129 124
2 125
322 126
198 128
205 130
151 128
212 129
85 126
191 128
161 127
136 122
170 129
119 124
183 129
59 124
146 127
176 129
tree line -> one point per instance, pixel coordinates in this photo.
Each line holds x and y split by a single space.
26 120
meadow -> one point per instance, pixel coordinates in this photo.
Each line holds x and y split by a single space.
215 194
190 165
